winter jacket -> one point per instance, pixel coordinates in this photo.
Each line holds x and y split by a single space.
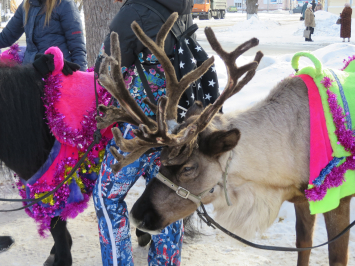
309 20
132 48
319 6
150 22
313 6
345 29
304 7
64 30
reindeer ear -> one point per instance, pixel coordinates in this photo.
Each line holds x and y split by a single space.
219 142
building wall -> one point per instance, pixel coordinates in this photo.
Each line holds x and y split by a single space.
337 6
332 6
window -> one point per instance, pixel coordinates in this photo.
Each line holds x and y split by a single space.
199 1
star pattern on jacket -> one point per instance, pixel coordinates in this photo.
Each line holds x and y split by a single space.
187 41
198 48
211 83
182 114
193 96
208 96
213 69
199 86
187 101
193 60
182 64
181 50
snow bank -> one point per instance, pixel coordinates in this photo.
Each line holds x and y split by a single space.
254 23
273 69
325 25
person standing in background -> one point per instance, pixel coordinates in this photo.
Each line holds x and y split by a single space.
47 23
304 7
309 22
345 25
314 5
319 6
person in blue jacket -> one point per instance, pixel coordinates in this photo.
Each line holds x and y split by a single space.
47 23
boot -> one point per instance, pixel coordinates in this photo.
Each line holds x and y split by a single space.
5 243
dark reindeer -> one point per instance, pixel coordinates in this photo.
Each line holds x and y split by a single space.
268 146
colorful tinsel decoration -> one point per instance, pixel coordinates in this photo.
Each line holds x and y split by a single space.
84 178
347 61
76 138
327 82
345 137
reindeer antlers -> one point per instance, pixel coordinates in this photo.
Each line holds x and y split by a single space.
174 88
117 87
156 134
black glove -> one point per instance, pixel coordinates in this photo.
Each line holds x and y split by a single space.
69 68
44 64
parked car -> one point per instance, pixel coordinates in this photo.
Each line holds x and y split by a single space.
297 9
232 9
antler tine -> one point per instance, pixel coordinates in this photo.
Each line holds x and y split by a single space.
135 147
174 89
112 115
165 29
126 160
233 86
116 54
117 86
151 105
234 73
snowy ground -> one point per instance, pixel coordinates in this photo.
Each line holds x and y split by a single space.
280 36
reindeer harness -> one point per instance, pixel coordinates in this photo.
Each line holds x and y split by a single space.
332 140
186 194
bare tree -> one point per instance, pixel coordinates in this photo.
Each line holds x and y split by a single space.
252 8
98 16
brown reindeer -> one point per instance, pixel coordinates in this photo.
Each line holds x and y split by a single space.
268 146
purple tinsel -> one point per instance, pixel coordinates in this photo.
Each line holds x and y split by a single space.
14 51
327 82
347 61
42 212
76 138
345 137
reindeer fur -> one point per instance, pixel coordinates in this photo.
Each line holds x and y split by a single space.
271 159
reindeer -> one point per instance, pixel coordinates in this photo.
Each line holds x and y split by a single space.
267 145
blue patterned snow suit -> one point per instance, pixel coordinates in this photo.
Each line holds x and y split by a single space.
111 189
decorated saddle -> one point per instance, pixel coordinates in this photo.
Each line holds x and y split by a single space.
331 96
14 55
70 111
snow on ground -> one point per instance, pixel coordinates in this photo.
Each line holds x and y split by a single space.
213 248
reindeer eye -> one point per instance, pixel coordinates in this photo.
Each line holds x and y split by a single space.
186 169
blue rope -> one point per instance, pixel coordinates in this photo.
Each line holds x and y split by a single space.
345 102
326 170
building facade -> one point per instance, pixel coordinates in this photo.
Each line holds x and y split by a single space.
332 6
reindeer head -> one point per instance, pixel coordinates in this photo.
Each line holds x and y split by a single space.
192 150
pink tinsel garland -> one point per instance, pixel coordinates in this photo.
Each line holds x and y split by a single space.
79 138
76 138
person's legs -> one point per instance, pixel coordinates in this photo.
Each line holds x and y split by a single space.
111 210
165 248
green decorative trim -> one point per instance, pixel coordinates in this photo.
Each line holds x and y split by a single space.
318 65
